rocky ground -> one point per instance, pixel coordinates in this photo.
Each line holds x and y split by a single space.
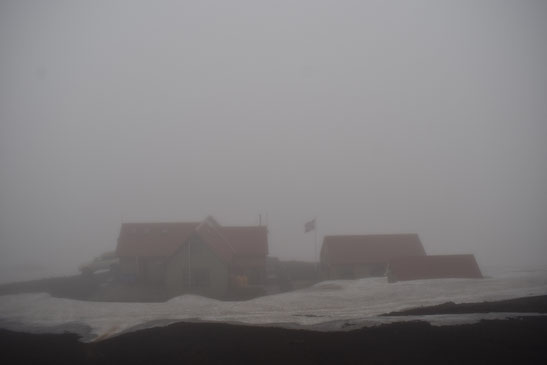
79 287
107 287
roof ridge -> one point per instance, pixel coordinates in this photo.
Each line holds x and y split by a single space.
212 224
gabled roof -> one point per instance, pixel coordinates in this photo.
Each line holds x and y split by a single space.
434 267
210 233
369 249
164 239
251 241
152 239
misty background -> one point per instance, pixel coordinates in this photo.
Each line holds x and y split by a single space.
375 117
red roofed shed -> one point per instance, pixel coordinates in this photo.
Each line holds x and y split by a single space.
355 256
433 267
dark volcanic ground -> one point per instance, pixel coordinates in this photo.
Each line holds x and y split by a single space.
512 341
517 340
533 304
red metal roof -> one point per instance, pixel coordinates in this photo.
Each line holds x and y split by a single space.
434 267
152 239
249 241
210 233
163 239
368 249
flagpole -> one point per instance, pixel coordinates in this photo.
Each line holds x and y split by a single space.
312 226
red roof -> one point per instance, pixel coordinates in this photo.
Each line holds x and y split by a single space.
211 234
369 249
153 239
163 239
247 241
434 267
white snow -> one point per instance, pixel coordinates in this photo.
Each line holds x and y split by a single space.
324 306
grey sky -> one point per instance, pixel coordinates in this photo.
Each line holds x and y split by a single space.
375 117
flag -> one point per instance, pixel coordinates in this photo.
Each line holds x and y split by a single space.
309 226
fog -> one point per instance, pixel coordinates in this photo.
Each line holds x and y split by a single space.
427 117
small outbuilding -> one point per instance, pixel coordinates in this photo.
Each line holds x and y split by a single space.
358 256
433 267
